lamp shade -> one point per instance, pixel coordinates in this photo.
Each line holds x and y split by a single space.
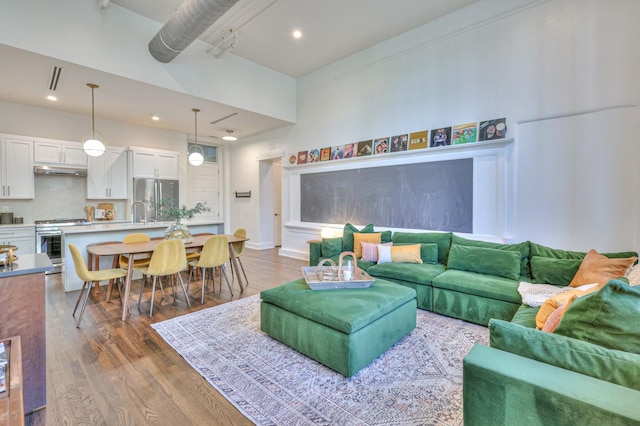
93 147
229 136
195 158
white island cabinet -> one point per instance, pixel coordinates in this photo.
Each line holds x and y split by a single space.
82 236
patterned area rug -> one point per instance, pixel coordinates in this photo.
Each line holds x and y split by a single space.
417 381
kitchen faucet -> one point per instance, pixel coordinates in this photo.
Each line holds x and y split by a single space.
133 205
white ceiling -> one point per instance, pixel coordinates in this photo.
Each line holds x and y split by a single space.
332 30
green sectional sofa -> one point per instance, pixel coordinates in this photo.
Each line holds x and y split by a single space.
586 372
459 277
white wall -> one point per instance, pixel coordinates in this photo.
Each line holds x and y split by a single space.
564 74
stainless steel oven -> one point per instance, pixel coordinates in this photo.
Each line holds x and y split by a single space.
49 239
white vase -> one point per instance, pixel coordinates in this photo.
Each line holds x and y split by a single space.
178 231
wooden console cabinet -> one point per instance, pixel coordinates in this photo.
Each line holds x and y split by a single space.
22 313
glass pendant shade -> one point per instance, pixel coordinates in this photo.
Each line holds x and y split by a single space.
196 157
92 145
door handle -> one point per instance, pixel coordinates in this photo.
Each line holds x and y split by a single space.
277 214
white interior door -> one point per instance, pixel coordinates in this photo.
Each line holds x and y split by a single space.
277 203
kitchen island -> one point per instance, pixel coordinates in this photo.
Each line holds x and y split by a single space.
82 236
22 313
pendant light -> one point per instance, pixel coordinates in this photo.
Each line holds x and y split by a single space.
195 154
229 136
92 144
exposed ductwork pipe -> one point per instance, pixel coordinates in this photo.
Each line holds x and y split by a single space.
188 23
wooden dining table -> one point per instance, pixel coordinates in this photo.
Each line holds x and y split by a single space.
136 249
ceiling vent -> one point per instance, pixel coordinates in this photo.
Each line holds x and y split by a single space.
224 118
55 77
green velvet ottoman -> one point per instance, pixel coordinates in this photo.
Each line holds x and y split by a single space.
344 329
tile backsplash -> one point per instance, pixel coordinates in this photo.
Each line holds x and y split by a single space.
57 197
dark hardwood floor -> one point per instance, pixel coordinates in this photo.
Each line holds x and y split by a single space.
110 372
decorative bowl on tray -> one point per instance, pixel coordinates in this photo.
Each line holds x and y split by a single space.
328 276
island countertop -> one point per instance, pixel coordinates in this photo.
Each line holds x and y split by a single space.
25 264
128 226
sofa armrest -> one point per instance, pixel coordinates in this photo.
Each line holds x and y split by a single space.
619 367
315 252
503 388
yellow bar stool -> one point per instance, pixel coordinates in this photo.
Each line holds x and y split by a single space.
214 254
168 259
88 277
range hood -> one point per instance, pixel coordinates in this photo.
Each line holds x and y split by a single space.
56 171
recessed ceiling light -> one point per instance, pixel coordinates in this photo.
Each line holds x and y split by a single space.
155 117
52 98
297 34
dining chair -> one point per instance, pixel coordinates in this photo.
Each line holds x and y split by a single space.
140 262
238 249
168 259
94 263
88 277
214 254
195 254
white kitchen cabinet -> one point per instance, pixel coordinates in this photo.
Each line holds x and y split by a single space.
16 168
23 237
60 153
107 175
154 163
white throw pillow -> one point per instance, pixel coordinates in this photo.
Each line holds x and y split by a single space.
384 254
535 294
633 275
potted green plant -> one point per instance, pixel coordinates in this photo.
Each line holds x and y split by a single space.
168 208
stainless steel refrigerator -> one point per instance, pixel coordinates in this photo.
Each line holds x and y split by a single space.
153 190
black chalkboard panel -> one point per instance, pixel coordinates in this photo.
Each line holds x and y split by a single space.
431 196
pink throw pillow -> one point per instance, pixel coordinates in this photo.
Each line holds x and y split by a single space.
370 251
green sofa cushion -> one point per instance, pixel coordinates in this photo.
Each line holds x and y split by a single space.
491 287
487 261
331 247
357 308
347 235
442 239
525 316
420 273
521 248
614 366
550 270
609 317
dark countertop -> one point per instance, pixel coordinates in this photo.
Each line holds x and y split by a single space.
32 263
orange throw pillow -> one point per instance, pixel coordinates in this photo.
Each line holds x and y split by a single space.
597 268
562 299
360 237
554 319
